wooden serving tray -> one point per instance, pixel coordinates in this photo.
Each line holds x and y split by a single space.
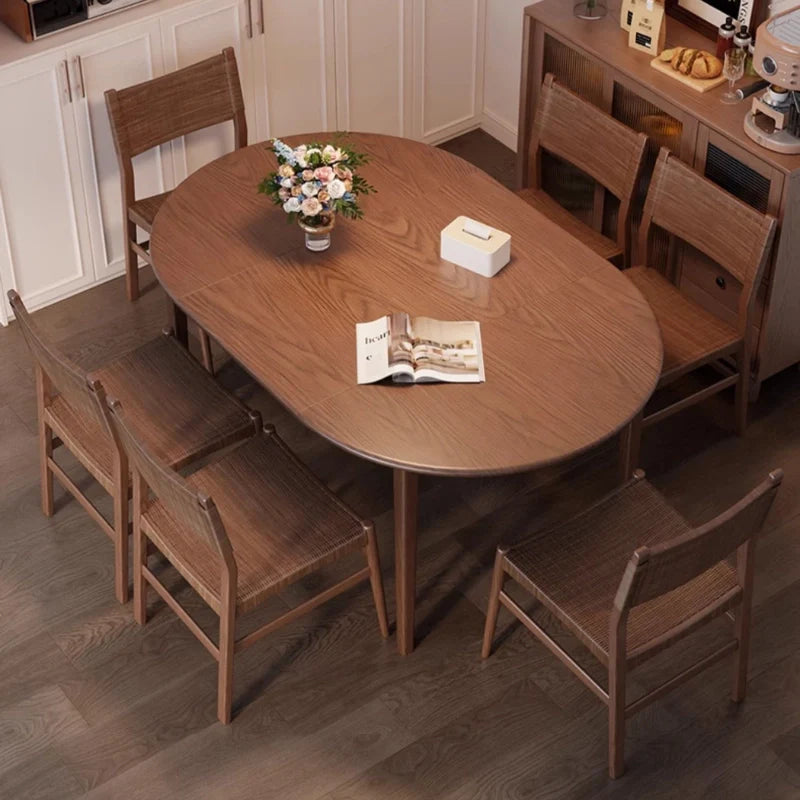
696 83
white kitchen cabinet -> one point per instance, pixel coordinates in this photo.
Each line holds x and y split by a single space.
199 30
125 56
374 62
299 65
44 234
448 67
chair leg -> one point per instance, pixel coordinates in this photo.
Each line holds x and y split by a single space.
131 264
376 581
205 349
616 721
139 555
742 392
227 619
498 577
743 621
629 445
121 514
45 446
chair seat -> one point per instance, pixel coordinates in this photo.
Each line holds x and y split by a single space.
282 523
691 335
541 201
144 211
179 410
575 570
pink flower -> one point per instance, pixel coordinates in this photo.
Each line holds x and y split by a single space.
284 194
343 173
324 174
311 207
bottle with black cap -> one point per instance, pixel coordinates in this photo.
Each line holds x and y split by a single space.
741 38
725 35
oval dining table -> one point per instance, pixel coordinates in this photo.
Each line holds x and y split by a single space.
572 351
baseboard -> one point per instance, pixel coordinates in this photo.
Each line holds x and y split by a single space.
499 129
451 131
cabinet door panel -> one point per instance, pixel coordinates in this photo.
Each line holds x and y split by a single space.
449 66
191 34
125 57
44 250
299 65
373 66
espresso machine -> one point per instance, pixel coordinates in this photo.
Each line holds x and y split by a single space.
774 119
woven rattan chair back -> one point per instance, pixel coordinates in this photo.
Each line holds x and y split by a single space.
654 571
197 513
189 99
563 126
685 204
65 377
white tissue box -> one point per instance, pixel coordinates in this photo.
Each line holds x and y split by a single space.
484 256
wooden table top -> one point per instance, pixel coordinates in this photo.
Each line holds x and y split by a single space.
572 351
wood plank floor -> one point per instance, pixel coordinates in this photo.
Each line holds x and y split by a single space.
93 706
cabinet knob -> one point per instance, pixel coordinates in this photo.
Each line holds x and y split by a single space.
720 281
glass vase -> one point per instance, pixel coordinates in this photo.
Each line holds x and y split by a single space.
590 9
318 237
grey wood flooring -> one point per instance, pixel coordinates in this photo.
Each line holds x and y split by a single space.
91 705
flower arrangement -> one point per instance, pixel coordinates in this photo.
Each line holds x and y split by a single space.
314 181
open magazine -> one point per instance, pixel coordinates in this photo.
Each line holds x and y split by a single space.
419 349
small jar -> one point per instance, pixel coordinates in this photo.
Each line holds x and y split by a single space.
749 64
725 34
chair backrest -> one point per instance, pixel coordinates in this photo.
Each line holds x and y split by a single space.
190 508
65 377
683 203
577 131
654 571
157 111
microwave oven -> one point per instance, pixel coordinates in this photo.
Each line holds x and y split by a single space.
33 19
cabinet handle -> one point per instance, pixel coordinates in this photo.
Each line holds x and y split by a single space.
261 15
80 76
720 281
67 81
249 19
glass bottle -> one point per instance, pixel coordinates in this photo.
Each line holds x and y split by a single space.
725 34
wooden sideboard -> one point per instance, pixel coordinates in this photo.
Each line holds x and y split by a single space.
593 59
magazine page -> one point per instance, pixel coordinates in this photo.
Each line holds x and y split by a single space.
384 348
447 351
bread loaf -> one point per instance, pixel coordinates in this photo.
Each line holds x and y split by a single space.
706 66
696 63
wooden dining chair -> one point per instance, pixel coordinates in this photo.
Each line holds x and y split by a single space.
239 531
737 237
152 113
609 152
182 411
628 578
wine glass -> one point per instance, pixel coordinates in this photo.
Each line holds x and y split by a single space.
733 69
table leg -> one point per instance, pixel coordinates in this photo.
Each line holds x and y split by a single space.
405 558
180 323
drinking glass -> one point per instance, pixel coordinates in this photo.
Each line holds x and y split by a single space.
590 9
733 69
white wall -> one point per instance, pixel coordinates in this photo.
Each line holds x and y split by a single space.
502 68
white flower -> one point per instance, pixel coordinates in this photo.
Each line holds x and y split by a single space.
300 156
336 189
286 183
310 189
292 205
311 207
331 154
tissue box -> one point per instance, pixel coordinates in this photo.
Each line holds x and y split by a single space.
484 256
